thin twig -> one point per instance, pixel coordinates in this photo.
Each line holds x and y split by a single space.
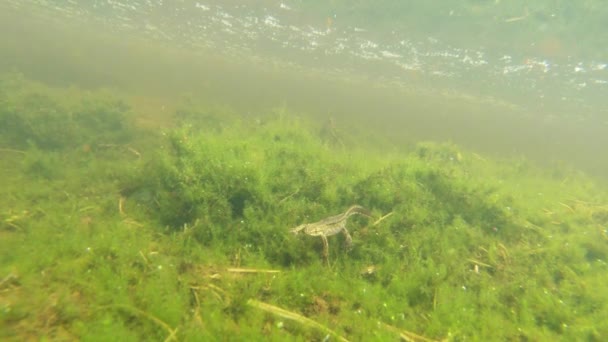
12 150
158 321
521 17
132 222
289 196
11 224
383 218
407 335
11 278
121 202
134 151
251 270
477 262
567 206
293 316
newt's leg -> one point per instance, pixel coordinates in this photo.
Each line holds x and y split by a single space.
325 249
349 240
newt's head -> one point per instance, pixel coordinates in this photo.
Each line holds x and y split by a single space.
298 229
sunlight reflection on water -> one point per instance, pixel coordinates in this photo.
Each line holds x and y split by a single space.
274 31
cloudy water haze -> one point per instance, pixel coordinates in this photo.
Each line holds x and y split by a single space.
500 77
303 170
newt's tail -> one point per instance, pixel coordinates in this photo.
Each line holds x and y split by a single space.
357 209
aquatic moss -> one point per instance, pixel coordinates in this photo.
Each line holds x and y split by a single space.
103 242
32 115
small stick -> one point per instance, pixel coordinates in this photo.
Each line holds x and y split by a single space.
289 196
514 19
567 206
477 262
382 218
218 292
505 250
12 150
251 270
8 279
521 17
152 318
293 316
144 257
13 225
134 151
407 335
121 202
132 222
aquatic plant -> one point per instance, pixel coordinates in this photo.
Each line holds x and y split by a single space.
32 115
189 238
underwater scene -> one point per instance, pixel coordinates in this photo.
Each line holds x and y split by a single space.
303 170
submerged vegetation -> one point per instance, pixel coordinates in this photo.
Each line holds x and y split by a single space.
108 231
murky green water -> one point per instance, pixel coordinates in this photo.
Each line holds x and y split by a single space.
156 154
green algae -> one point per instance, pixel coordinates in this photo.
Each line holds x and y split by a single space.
100 242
